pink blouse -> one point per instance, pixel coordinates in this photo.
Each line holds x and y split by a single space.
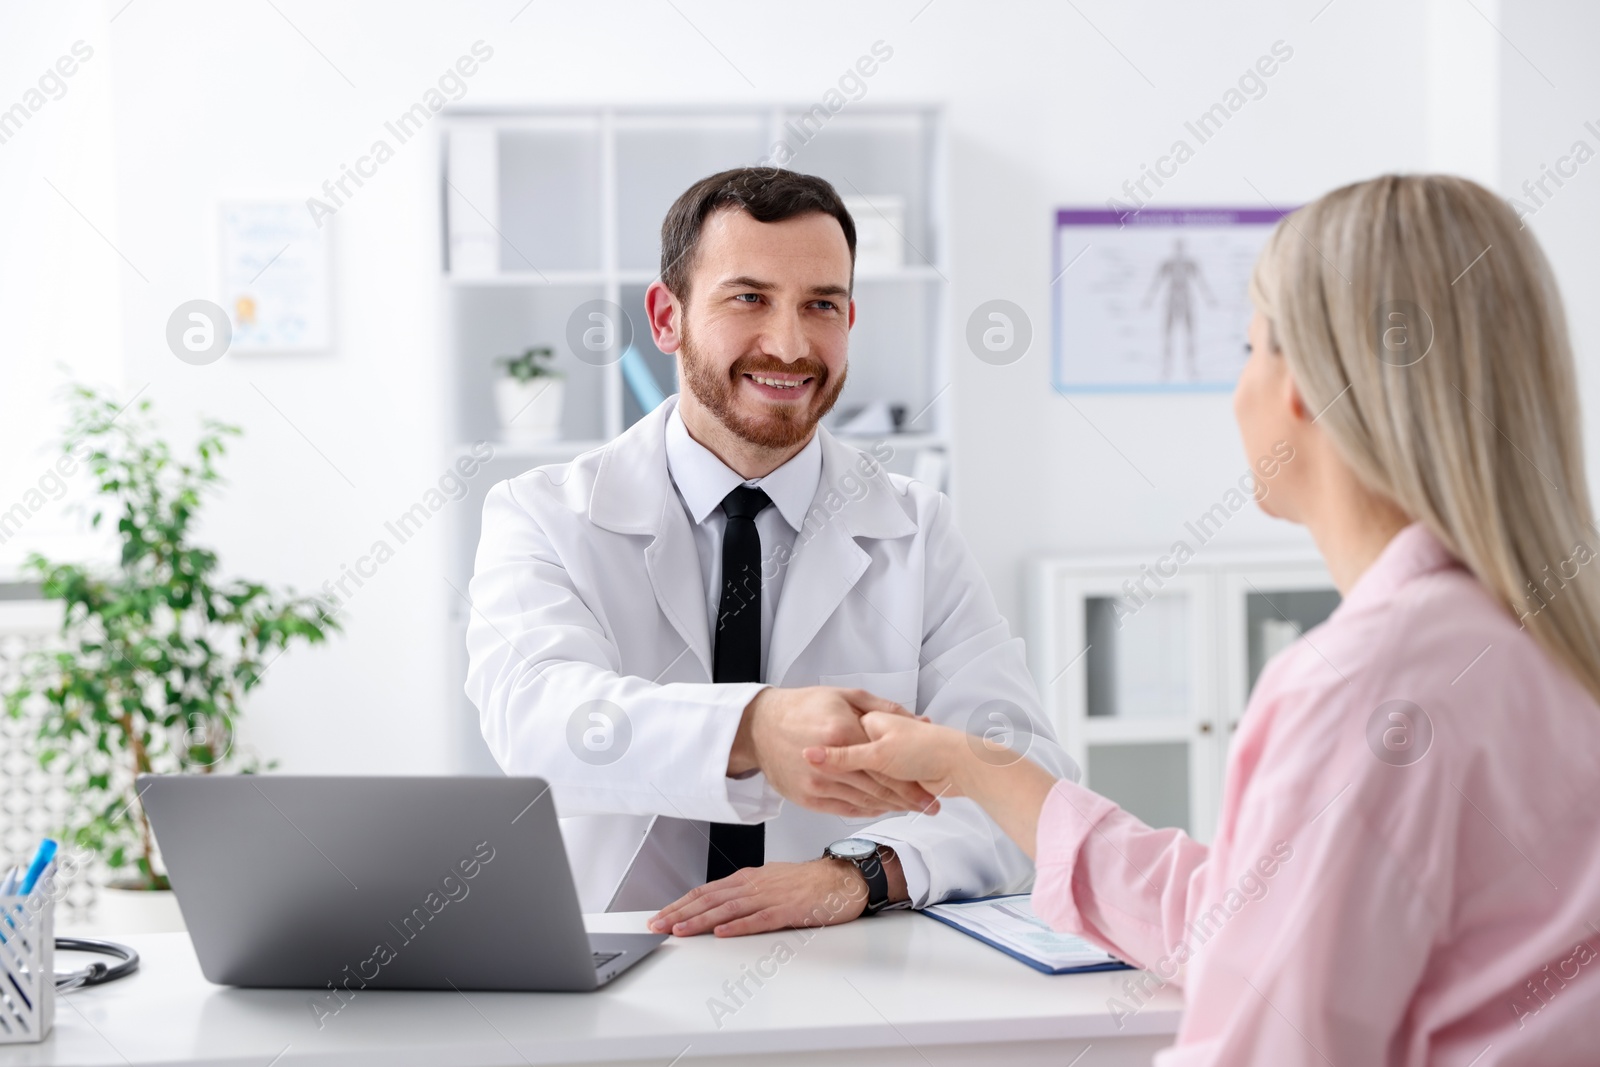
1407 866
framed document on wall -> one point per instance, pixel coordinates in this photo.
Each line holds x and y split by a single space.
1153 300
275 282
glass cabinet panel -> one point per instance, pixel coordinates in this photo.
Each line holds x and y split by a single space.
1275 620
1138 658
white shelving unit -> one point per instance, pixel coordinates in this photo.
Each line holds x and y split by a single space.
547 210
1147 687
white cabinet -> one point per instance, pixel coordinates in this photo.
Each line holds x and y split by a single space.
1146 666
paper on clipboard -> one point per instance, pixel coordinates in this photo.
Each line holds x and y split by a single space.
1009 924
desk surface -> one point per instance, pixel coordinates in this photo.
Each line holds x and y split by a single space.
899 982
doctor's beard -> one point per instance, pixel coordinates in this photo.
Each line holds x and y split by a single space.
779 426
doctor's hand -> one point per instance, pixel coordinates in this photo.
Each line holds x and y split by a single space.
779 724
777 896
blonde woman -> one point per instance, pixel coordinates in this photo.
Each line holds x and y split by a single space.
1407 866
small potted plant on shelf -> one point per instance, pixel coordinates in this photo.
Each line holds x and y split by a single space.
528 396
156 653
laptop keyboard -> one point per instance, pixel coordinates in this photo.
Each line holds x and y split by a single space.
603 958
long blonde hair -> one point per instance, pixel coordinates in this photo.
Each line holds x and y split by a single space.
1425 325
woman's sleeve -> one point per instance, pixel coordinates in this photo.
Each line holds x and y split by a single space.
1308 948
1107 876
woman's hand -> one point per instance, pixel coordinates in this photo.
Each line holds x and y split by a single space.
948 763
901 747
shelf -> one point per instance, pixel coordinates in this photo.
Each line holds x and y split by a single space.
552 222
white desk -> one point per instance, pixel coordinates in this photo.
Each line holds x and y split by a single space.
914 991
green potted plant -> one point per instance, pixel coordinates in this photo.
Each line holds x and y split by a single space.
157 652
528 396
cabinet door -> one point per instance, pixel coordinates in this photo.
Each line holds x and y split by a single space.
1133 690
1263 610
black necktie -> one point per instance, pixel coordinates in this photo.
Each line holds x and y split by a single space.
736 656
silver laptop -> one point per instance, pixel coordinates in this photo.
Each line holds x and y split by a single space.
378 883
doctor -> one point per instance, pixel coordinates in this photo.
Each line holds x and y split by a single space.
661 626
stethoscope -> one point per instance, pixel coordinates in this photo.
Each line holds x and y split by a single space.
97 973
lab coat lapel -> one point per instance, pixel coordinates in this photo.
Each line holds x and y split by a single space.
827 563
633 494
825 566
674 570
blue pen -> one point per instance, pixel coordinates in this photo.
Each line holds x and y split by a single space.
41 858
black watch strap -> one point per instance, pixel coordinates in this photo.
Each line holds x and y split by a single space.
871 868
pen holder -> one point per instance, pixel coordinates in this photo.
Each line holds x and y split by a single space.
27 965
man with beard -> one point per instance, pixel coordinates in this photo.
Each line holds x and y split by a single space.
661 626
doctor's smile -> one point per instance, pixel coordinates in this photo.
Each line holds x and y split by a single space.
779 386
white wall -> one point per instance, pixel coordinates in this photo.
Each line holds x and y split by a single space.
59 279
1050 105
1551 88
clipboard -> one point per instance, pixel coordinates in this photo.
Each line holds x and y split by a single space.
1016 952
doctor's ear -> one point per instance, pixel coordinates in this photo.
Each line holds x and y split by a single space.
665 313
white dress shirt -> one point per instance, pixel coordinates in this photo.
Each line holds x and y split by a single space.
703 480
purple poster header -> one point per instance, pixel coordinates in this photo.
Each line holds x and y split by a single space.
1172 216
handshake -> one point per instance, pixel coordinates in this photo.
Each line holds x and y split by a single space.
842 752
838 751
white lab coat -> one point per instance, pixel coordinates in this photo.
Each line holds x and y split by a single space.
587 588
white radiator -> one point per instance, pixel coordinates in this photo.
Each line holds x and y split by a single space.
33 802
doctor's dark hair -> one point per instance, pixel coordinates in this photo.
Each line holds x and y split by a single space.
766 194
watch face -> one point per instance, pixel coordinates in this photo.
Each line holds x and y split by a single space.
853 848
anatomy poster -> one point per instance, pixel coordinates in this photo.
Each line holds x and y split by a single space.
1153 300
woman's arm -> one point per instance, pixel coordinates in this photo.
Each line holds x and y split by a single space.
1100 871
1013 793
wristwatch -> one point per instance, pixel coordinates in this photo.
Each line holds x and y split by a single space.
864 854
